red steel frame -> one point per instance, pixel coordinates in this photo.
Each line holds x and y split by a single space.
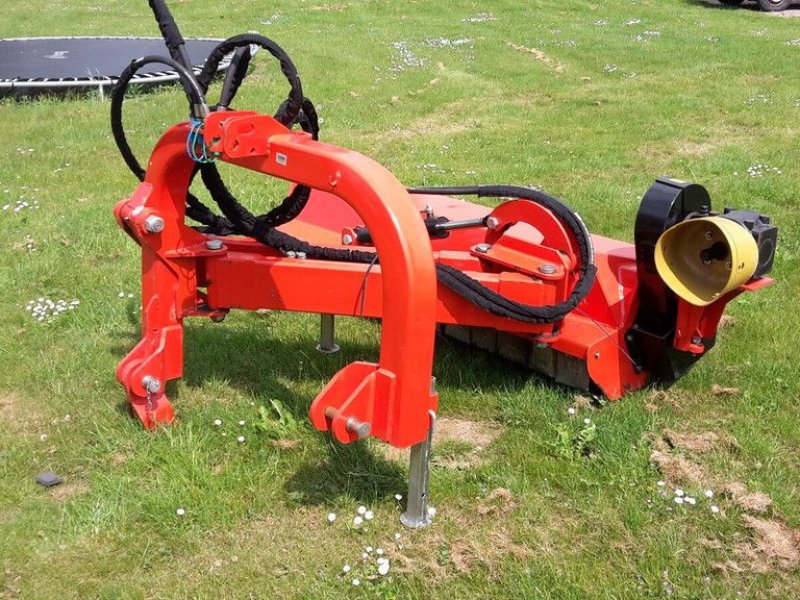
186 273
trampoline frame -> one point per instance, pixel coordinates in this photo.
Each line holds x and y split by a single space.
99 82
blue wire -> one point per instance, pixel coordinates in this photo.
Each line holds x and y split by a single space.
195 139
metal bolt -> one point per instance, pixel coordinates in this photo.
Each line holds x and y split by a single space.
151 384
214 244
547 269
360 428
697 340
483 248
301 255
154 224
429 211
709 235
347 239
291 254
353 425
492 222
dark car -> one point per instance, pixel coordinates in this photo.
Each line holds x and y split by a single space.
768 5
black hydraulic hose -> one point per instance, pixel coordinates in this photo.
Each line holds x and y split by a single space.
288 111
234 76
494 302
190 86
170 32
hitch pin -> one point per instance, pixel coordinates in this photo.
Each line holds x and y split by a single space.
353 425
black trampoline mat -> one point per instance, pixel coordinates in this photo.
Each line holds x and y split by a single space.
87 58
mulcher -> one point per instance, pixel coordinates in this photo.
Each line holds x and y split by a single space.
524 279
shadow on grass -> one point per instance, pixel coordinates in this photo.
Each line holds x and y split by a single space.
265 368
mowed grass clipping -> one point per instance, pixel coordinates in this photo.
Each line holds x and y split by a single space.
590 101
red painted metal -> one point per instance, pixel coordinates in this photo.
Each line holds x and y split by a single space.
186 273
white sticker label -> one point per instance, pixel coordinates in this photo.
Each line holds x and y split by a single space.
281 159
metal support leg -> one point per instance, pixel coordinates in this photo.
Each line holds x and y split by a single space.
327 343
416 515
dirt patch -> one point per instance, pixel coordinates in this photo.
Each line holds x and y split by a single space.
719 390
774 545
581 402
757 502
699 443
446 557
473 436
500 501
337 6
438 124
658 399
9 404
677 469
725 322
695 149
285 443
538 55
66 491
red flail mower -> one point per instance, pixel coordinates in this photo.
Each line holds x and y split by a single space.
524 279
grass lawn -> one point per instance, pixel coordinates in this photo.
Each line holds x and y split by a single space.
588 100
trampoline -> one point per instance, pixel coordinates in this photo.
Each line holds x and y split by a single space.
30 66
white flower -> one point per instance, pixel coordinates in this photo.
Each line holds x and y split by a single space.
431 511
678 500
571 411
709 493
383 568
587 421
369 549
346 569
180 512
397 536
241 423
240 439
661 483
714 508
362 510
358 521
331 517
369 515
379 551
217 422
356 581
680 493
690 500
398 497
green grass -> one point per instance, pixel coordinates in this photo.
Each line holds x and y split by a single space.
594 125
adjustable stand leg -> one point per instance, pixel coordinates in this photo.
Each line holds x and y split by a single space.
416 515
327 343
